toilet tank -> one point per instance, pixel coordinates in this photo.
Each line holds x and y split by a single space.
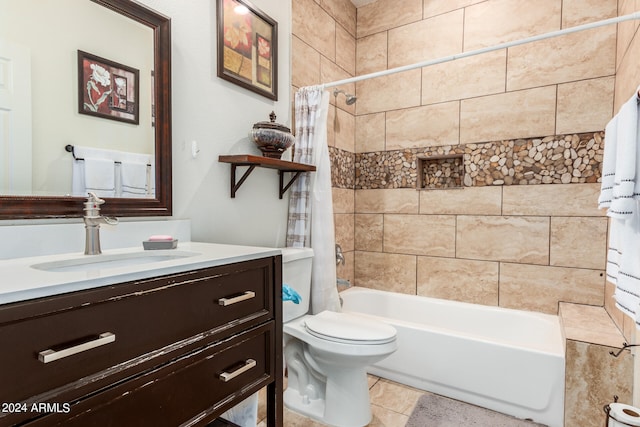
296 272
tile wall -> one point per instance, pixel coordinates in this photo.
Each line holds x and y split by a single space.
525 247
531 245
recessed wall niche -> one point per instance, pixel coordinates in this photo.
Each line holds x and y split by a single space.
439 172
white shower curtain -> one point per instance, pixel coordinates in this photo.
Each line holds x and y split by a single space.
310 221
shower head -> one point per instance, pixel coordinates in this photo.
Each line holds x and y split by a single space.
350 99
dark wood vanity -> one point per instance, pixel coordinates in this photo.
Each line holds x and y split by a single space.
174 350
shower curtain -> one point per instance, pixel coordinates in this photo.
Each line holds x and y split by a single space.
310 222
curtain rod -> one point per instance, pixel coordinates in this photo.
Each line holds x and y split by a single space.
632 16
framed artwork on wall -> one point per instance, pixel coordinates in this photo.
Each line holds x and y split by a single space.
107 89
247 47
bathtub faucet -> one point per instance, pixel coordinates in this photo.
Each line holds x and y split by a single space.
343 282
339 255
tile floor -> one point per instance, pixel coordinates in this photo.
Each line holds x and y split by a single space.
391 404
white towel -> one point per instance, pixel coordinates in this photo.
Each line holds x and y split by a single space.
79 171
99 177
620 162
78 187
131 175
627 292
134 179
620 194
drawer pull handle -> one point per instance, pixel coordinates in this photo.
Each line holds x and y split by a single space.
245 296
47 356
228 376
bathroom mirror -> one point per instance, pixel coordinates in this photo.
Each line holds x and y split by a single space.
43 202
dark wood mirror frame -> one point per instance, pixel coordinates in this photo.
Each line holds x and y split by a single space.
31 207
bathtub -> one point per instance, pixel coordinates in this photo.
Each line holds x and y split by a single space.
506 360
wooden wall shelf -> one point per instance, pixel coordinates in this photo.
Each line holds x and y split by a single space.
252 162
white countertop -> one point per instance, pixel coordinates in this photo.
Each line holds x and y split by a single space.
19 281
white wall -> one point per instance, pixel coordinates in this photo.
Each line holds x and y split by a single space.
218 115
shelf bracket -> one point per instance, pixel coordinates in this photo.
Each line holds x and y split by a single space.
236 185
284 188
264 162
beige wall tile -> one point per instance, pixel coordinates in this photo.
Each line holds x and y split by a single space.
541 288
592 377
400 90
369 232
629 328
387 272
432 8
562 59
305 64
343 200
444 33
458 279
342 11
420 234
584 106
330 72
314 26
386 14
516 239
387 201
344 231
344 126
427 126
628 74
578 12
370 132
503 116
345 50
610 306
578 242
626 31
498 21
590 324
465 78
468 201
552 200
371 53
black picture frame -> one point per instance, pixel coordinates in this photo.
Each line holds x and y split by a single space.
247 47
108 89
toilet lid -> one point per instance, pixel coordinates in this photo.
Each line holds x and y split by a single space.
348 328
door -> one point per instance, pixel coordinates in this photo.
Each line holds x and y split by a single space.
15 119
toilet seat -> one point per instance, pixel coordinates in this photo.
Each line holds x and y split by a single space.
349 329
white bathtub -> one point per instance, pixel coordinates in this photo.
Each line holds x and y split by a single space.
506 360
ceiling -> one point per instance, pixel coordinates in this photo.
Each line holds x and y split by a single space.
359 3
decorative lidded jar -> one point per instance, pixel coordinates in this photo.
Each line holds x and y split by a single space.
272 138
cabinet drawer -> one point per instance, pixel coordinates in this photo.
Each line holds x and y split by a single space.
148 322
188 389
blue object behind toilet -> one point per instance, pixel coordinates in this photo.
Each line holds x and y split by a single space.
288 294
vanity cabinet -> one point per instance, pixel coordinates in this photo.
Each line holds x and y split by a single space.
174 350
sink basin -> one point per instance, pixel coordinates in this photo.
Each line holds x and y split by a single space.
103 262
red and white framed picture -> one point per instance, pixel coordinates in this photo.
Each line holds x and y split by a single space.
107 89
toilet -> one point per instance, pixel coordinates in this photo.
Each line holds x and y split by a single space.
326 354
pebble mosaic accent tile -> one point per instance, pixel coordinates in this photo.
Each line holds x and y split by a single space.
559 159
342 168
